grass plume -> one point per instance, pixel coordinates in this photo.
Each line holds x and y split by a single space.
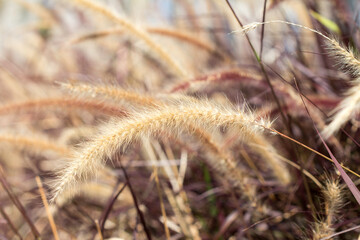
348 108
334 200
223 164
110 92
165 92
136 31
62 103
119 134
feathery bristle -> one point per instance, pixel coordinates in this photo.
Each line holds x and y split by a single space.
350 105
110 92
321 230
119 134
345 57
224 165
334 199
347 61
347 109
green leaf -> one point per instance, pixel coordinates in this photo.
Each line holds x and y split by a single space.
331 25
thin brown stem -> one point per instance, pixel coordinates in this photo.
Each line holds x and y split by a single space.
17 203
141 215
46 205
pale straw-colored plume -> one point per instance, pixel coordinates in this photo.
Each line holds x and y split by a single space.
345 57
321 230
350 105
266 151
223 163
334 200
110 92
136 31
118 134
347 61
238 75
347 109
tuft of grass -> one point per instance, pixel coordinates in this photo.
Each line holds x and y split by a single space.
348 108
170 111
334 201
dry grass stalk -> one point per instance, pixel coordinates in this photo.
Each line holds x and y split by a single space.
34 144
10 223
151 155
46 204
178 207
174 33
179 202
67 103
136 31
226 167
235 75
94 35
184 36
15 200
39 10
119 134
98 229
110 92
306 173
269 155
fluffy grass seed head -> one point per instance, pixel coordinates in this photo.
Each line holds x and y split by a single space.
118 134
345 58
334 200
334 197
348 108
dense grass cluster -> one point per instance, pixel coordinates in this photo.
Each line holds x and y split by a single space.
202 119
